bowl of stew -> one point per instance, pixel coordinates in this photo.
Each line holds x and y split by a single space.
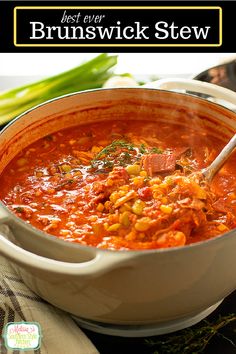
110 217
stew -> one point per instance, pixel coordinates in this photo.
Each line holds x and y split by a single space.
123 185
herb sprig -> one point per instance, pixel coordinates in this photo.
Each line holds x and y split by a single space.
191 340
113 147
105 159
122 153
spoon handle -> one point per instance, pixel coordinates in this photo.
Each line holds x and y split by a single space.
219 161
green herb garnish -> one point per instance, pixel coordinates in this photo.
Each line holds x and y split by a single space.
117 152
113 147
19 209
121 153
156 150
108 164
64 183
142 149
125 159
48 137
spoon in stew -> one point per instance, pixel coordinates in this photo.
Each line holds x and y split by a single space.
210 171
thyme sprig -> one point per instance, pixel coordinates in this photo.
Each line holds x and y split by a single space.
113 147
118 149
122 153
191 340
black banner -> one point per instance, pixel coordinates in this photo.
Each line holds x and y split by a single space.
156 26
121 26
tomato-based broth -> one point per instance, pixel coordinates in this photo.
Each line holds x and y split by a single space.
123 185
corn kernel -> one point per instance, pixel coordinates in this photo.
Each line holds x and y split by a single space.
72 142
155 180
65 168
105 225
51 190
122 209
198 192
97 228
163 186
109 182
141 235
133 169
39 174
124 218
125 207
113 218
143 173
122 193
100 207
114 227
138 181
222 228
78 173
124 188
103 142
166 209
114 196
169 180
21 162
143 224
131 236
107 204
138 206
38 192
96 149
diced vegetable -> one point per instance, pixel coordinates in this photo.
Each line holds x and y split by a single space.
114 227
138 207
133 169
143 224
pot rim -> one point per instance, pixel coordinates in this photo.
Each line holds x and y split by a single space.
94 249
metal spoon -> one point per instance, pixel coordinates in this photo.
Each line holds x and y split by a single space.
210 171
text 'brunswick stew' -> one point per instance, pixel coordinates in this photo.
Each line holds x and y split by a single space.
123 185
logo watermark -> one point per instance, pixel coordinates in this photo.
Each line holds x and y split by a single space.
22 335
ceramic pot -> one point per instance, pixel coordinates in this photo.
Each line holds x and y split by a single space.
122 292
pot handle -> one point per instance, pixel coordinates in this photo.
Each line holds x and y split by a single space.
194 86
102 262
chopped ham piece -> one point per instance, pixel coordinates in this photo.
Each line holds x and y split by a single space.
162 163
180 151
221 206
158 163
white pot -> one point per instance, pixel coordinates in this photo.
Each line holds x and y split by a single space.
155 290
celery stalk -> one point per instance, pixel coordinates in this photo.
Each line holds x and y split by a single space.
89 75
